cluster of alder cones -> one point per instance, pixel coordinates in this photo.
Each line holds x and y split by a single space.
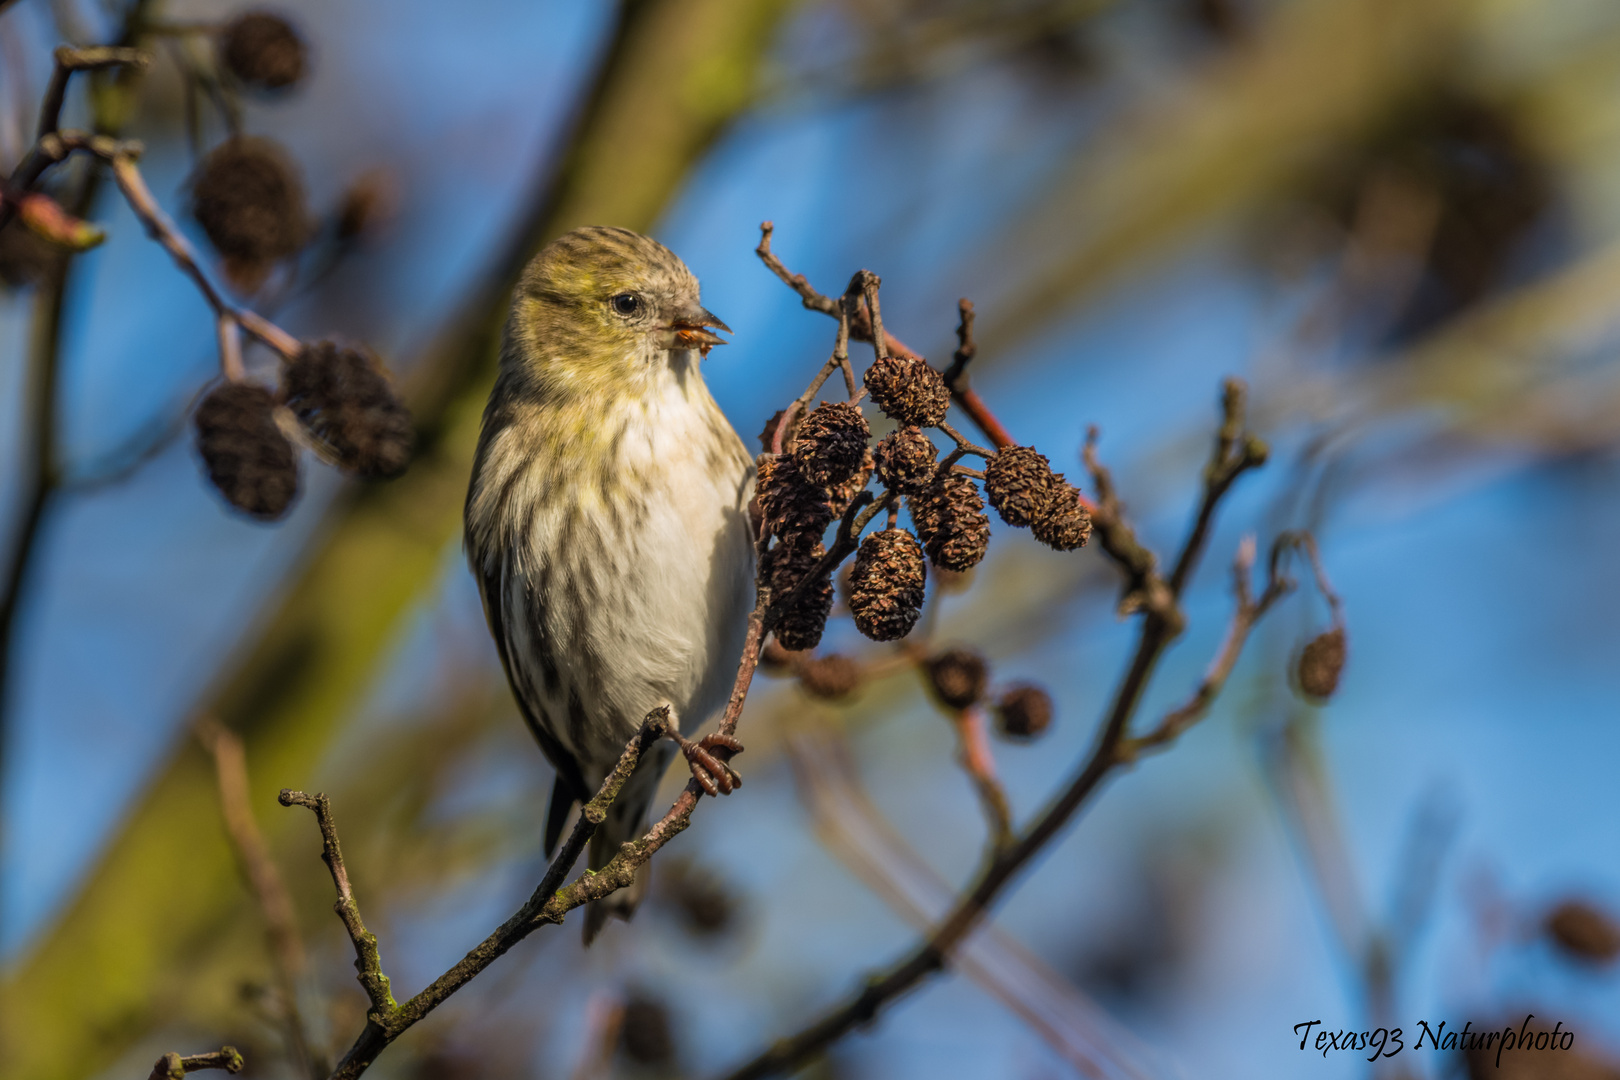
827 461
340 398
249 200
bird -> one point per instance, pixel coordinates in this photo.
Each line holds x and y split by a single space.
607 526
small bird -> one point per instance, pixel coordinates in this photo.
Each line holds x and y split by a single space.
607 525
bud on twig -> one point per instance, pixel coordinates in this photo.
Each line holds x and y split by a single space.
886 585
1024 712
958 677
905 460
908 390
249 460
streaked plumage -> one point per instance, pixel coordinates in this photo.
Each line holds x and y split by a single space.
606 521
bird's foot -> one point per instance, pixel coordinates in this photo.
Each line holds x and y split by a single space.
709 768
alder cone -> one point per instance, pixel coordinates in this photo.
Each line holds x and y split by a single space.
263 51
831 676
958 677
839 496
796 511
908 390
1321 663
249 460
249 201
887 584
1061 521
801 624
905 460
1019 482
1024 712
950 519
830 443
1584 932
344 399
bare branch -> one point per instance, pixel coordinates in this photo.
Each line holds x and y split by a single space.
172 1066
275 902
367 960
69 60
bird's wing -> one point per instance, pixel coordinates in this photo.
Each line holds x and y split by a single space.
570 785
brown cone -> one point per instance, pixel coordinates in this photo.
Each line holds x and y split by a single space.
1024 712
249 201
905 460
831 676
343 398
1321 662
1061 521
263 51
831 443
1584 932
949 516
887 585
1018 481
248 458
841 495
801 624
795 510
908 390
958 677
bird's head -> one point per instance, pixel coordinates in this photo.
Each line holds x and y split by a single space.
600 305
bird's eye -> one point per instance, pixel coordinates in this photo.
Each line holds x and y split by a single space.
626 304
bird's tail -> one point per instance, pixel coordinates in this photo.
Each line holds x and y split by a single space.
626 821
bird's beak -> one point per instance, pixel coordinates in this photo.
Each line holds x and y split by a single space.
691 332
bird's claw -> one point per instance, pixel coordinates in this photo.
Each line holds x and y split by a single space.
711 772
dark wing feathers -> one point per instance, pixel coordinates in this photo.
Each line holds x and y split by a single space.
570 785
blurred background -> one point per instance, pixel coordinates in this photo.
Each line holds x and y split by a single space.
1396 219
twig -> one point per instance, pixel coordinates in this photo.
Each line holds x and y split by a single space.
275 902
172 1066
1236 451
69 60
980 764
1145 588
367 960
860 329
1247 613
548 904
1158 628
962 392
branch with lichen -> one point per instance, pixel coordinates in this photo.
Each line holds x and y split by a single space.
172 1066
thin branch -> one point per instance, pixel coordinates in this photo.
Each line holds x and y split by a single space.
860 329
367 960
973 745
546 905
173 1067
1236 451
1248 612
69 60
275 902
